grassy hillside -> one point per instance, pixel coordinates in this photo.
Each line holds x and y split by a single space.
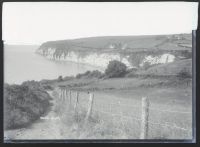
169 69
127 43
134 48
117 97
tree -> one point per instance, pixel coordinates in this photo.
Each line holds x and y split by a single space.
115 69
60 78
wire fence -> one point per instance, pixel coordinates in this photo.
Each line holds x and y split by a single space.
123 111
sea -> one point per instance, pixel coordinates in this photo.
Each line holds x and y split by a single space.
21 63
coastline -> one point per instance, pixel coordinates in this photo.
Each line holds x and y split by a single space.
100 68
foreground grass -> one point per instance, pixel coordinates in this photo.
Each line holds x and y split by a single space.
111 120
116 112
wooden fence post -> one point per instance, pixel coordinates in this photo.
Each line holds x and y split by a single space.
70 97
76 106
89 112
63 94
76 102
66 96
77 95
121 114
144 118
60 94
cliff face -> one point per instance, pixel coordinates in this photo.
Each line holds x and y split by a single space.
135 51
91 58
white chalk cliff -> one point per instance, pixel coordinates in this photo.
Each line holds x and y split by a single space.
134 51
102 59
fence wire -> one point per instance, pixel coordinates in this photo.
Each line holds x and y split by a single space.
100 104
138 119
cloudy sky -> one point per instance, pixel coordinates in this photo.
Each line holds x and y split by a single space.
34 23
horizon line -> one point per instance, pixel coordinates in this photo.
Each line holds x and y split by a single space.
38 44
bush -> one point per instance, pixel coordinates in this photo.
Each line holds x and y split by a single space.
90 74
115 69
68 78
184 73
47 87
96 74
24 103
78 76
131 72
146 65
60 78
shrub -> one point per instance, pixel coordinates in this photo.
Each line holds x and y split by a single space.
90 74
131 72
115 69
146 65
47 87
78 76
60 78
24 103
96 74
184 73
68 78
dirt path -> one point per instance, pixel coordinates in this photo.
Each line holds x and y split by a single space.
48 127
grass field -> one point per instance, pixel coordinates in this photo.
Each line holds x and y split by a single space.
116 109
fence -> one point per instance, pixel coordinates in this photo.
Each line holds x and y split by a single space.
141 115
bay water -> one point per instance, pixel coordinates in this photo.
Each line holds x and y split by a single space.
21 63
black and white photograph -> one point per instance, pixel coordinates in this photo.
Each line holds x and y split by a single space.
99 71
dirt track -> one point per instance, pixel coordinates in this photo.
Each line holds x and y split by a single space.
48 127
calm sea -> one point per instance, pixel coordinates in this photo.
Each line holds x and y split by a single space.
21 64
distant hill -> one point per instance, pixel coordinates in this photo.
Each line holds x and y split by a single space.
134 51
126 43
169 69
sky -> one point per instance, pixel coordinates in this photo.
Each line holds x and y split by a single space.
37 22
